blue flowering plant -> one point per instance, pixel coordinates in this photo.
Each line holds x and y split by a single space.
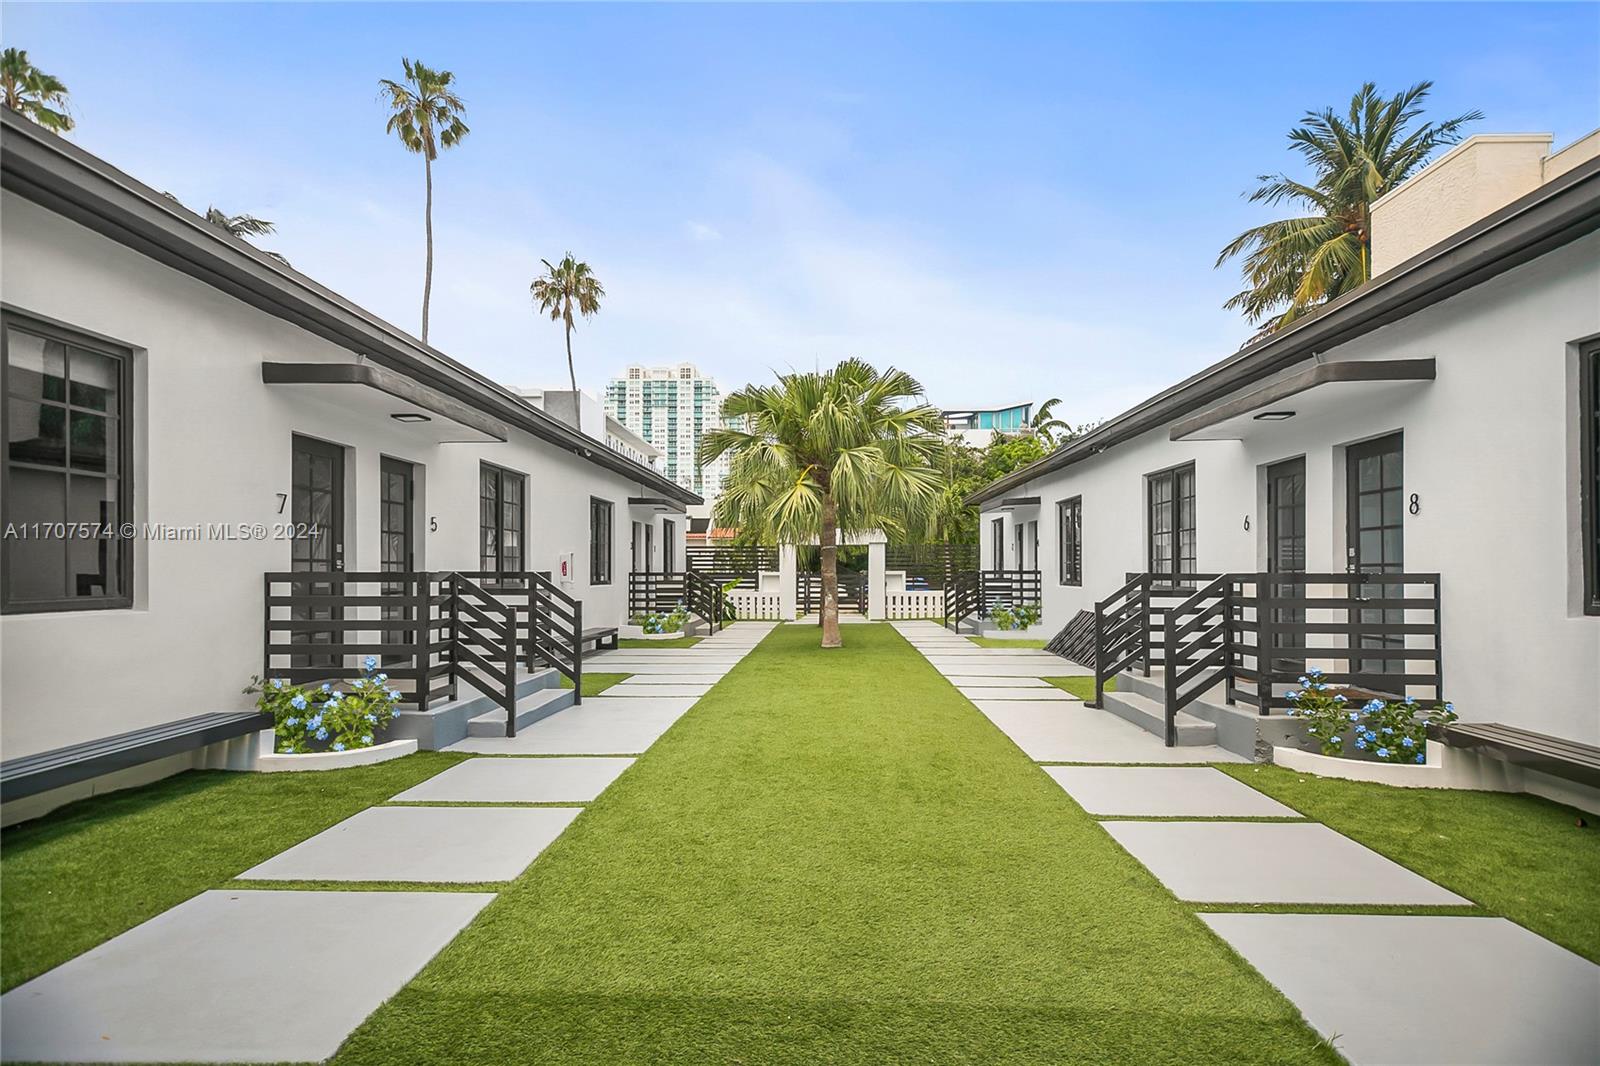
1005 616
328 717
658 622
1387 730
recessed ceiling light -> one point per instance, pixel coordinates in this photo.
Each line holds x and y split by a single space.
1274 416
410 416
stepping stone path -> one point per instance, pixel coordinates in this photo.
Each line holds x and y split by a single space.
306 973
1383 988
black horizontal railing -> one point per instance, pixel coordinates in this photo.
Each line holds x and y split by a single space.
430 631
962 598
1371 634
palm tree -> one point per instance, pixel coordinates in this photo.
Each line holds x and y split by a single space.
425 113
30 91
827 452
567 286
1296 264
1046 425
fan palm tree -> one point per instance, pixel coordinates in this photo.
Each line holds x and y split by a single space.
1296 264
1046 425
567 286
29 91
239 225
824 453
425 114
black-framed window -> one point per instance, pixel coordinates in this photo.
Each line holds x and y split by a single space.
1069 540
502 519
599 541
1171 522
1589 466
66 487
997 543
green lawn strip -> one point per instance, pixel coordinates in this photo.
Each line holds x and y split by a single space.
834 858
1081 687
1001 642
98 867
1514 855
594 684
673 642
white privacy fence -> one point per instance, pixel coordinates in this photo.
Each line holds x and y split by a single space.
756 606
923 604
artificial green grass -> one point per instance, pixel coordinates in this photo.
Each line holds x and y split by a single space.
834 858
1081 687
1514 855
1001 642
594 684
95 868
674 642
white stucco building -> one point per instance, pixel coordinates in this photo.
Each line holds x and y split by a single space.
1440 420
166 378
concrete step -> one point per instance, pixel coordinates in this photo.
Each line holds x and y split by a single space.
530 708
445 723
1239 728
1151 716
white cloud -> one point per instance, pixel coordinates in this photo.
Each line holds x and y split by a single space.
699 231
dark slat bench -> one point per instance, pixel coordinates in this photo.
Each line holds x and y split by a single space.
1565 759
602 638
29 775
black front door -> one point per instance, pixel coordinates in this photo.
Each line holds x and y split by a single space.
1172 552
669 531
1376 539
317 510
396 535
1286 550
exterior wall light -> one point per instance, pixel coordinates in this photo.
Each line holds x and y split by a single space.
410 416
1274 416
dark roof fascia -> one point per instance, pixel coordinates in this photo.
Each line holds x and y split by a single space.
656 501
60 176
389 382
1557 213
1304 381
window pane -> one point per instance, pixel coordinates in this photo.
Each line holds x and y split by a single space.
94 380
36 432
36 368
93 442
92 562
37 566
1367 473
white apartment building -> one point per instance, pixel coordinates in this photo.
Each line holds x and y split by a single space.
672 408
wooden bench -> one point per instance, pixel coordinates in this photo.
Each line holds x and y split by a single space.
29 775
603 638
1565 759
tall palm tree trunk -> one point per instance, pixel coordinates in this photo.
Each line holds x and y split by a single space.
427 274
830 570
572 375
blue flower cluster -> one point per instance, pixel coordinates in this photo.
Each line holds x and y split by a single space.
325 715
1392 731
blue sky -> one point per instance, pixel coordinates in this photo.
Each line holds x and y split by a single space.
1012 202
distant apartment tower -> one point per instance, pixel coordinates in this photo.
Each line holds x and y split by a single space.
977 426
672 407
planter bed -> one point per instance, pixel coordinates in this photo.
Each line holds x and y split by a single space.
276 763
1440 771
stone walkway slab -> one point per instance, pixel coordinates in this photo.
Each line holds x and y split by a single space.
1402 990
1071 732
518 781
660 689
1047 694
646 666
600 725
1164 792
968 681
1003 667
648 678
450 844
1270 862
234 976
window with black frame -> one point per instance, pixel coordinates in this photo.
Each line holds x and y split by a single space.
67 489
1069 540
501 519
599 542
1589 466
997 544
1171 523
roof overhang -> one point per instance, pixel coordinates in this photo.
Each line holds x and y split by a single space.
365 389
655 503
1013 503
1555 214
1325 388
73 183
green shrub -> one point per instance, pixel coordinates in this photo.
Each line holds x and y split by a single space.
341 719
